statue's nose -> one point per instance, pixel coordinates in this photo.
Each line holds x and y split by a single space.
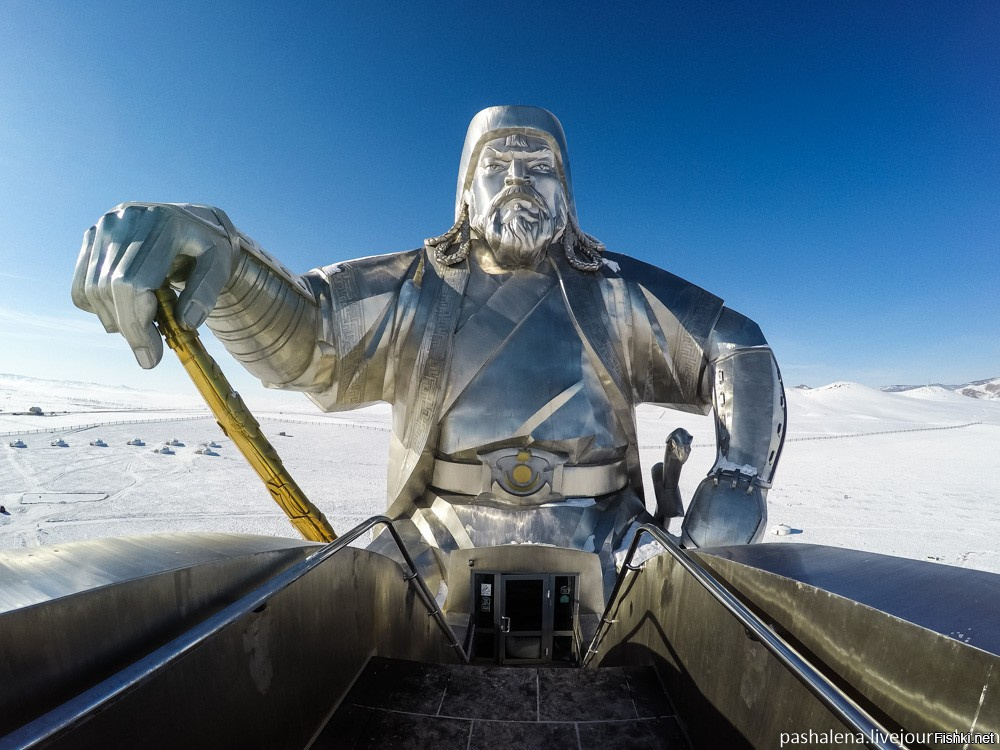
516 174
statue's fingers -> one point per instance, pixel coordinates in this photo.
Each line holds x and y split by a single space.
145 262
130 239
141 267
209 275
78 288
97 289
127 230
136 309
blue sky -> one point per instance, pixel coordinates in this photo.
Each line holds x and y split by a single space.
830 169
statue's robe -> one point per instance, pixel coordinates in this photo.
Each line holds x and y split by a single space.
554 359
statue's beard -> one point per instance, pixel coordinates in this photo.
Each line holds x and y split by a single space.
519 227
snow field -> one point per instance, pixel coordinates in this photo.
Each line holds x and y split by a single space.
922 481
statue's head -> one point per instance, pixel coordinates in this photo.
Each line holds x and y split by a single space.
513 180
514 191
516 198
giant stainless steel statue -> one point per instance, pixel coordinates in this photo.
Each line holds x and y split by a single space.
513 349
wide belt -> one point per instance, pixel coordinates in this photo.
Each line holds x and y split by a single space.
527 471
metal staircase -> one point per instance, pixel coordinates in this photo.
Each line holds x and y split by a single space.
233 642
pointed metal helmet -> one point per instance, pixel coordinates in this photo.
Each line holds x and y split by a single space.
498 122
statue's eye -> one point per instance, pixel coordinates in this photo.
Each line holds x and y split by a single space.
542 168
494 166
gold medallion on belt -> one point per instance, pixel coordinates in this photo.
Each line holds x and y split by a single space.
521 471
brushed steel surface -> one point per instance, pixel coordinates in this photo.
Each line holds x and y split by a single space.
729 691
917 639
262 645
855 717
959 603
87 609
917 680
34 575
272 677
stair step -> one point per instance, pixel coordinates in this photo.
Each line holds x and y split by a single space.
403 704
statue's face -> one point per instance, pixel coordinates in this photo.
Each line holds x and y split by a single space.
517 202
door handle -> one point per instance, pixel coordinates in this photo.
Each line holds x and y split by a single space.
504 624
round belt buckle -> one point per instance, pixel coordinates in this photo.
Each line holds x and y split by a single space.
520 471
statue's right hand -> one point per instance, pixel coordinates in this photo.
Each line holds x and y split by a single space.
137 247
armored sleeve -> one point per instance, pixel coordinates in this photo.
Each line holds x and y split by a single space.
745 386
267 318
326 333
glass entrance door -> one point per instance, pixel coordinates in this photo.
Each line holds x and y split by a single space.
525 618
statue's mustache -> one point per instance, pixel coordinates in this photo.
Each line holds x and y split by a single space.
524 193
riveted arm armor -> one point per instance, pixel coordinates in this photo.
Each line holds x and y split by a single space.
744 384
268 319
748 397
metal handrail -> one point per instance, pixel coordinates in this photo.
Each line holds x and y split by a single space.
76 710
836 700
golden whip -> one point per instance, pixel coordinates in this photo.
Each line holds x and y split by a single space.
238 423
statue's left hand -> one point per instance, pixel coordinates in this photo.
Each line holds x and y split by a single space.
136 248
727 509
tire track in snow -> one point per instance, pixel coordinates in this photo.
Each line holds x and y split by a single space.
30 480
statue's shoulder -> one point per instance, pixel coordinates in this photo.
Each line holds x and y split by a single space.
670 289
392 263
378 269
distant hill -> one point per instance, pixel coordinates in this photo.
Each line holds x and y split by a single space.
19 392
989 388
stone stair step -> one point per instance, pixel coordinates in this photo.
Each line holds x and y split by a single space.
403 704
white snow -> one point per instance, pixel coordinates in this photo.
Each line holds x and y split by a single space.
909 474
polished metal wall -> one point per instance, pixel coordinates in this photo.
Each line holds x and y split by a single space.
919 640
75 613
268 680
34 575
729 691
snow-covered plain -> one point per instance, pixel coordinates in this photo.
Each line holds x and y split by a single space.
914 473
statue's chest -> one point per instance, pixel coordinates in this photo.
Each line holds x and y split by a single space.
515 341
519 371
541 347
